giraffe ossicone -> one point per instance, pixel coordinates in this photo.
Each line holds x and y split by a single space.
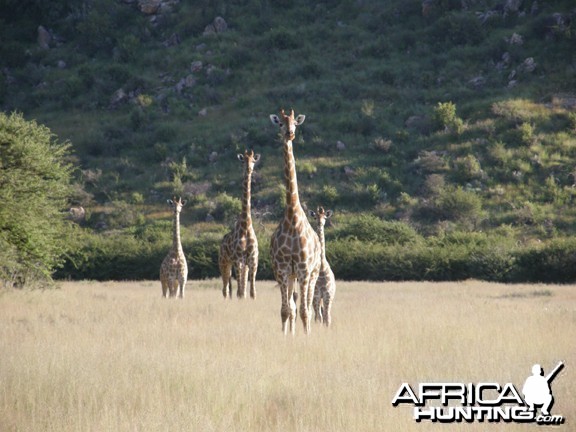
239 248
294 246
174 269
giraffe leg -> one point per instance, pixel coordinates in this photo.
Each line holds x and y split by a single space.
242 278
305 303
307 289
317 304
292 304
288 309
164 288
311 287
182 284
238 275
226 273
285 308
253 268
172 287
327 309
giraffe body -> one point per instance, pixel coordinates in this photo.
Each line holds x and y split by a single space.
294 247
326 284
239 248
174 269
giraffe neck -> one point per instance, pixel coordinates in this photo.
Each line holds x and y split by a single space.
322 242
176 245
246 216
292 199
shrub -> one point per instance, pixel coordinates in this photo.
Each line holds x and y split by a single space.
495 263
374 193
467 168
125 257
551 262
306 168
430 161
460 205
500 154
529 213
445 118
369 228
525 134
382 144
434 184
572 121
227 207
329 195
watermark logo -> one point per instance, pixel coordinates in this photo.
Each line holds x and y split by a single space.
484 401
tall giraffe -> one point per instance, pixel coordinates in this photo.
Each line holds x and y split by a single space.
294 247
326 283
239 247
174 270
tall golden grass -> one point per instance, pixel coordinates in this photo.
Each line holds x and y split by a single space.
117 357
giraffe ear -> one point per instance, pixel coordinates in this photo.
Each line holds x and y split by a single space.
184 203
170 202
275 119
240 157
312 213
300 119
329 213
256 157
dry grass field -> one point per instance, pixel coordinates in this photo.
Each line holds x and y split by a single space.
117 357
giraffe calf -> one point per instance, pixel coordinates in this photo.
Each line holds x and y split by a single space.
239 248
325 289
174 269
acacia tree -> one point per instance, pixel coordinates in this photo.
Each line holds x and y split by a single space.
35 184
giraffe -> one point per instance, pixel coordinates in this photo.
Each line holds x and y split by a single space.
326 283
294 247
174 270
239 247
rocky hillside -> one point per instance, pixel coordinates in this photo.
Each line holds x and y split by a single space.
448 115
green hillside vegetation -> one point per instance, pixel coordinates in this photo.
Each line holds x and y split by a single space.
442 133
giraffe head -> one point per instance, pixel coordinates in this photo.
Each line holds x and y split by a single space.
321 215
250 159
176 204
287 123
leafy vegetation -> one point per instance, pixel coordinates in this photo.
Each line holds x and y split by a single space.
424 120
34 186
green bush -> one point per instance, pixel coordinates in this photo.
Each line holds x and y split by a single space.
495 263
329 195
553 262
369 228
35 179
445 117
525 134
467 168
459 205
227 207
456 256
125 257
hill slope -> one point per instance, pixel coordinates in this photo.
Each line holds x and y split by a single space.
447 115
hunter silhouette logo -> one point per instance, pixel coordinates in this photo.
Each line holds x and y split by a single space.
537 390
483 401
